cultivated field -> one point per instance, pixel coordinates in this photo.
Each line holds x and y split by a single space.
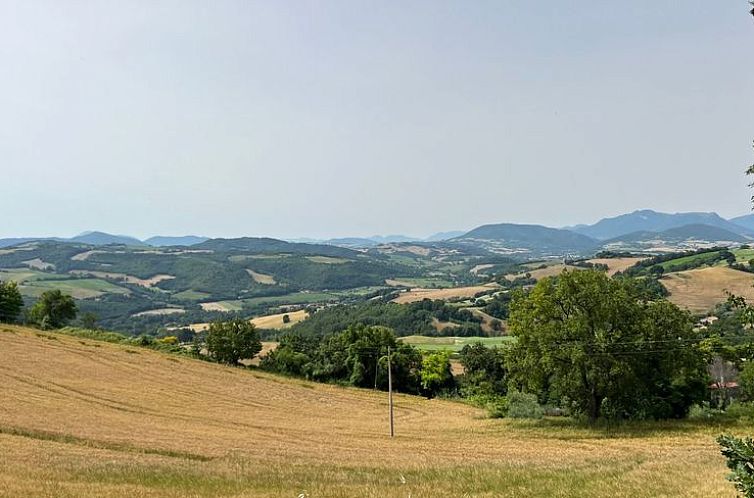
84 418
264 322
614 265
276 321
454 344
456 292
701 289
144 282
261 278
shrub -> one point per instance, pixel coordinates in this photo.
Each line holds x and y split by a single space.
523 405
496 406
740 460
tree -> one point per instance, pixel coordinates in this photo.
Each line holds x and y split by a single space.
89 321
286 318
435 372
484 369
598 343
232 341
11 301
53 310
746 381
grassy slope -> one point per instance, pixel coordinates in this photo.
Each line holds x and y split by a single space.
701 289
86 418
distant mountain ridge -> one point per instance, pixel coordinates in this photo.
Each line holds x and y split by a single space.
547 240
97 238
102 239
699 232
184 240
653 221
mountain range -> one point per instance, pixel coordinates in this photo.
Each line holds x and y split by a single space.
651 221
632 230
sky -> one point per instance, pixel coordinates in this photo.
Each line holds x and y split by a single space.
349 118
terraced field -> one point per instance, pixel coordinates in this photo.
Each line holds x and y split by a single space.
84 418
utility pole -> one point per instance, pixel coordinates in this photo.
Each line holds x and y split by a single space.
390 391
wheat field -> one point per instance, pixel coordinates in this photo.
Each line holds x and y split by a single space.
86 418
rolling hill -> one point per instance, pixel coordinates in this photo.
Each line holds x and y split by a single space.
136 289
101 239
515 238
87 418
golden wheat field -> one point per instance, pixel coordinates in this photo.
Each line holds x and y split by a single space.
701 289
81 418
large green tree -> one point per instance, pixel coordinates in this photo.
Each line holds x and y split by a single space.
599 345
11 301
232 341
435 372
53 309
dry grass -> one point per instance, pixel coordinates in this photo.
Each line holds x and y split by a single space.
80 418
417 294
487 321
701 289
276 321
261 278
262 322
614 265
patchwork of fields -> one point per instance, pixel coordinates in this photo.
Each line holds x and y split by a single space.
198 429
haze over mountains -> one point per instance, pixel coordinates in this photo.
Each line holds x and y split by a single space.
642 227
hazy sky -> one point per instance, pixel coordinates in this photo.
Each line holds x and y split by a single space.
334 118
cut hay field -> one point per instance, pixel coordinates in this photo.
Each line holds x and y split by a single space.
273 322
222 306
614 265
276 321
455 292
701 289
86 418
261 278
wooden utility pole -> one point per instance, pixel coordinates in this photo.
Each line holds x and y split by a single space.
390 391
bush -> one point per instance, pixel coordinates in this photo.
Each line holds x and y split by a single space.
740 460
523 405
496 406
